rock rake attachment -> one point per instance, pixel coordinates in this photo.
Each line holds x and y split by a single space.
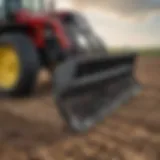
86 89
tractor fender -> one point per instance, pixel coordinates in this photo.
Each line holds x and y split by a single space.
75 17
75 24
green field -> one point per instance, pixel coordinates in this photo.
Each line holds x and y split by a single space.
150 52
141 51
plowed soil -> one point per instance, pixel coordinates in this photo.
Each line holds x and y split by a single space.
31 128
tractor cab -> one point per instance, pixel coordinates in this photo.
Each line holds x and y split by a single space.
9 8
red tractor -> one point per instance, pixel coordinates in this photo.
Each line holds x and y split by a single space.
30 38
85 78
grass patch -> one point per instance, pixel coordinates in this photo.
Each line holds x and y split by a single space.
150 52
140 51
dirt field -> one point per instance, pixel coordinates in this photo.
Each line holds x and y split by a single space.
31 129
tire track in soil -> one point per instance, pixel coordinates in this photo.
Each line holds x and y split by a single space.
31 129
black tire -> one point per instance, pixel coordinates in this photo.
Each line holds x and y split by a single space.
29 64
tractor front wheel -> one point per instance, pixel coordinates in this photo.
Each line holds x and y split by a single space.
19 64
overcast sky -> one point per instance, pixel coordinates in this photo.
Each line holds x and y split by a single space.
121 22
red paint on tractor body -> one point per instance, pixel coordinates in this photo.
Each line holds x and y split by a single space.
37 22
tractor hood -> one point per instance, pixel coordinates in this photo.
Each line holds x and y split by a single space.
25 16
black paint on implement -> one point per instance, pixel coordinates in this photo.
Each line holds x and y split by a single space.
88 88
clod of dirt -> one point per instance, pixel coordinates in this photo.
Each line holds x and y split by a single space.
40 154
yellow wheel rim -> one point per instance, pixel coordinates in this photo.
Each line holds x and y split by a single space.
9 67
